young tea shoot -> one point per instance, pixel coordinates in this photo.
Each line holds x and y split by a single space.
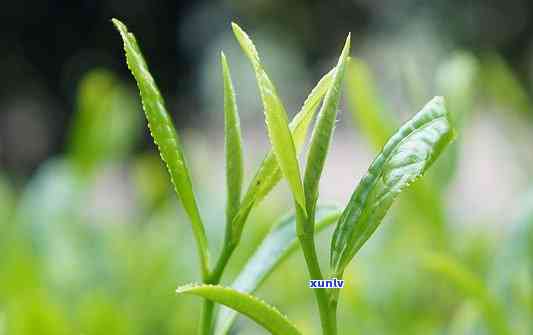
404 158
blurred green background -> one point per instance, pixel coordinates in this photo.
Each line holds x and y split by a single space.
93 241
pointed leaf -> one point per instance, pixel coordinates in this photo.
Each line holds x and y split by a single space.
322 133
405 157
233 145
272 251
165 136
276 120
259 311
269 173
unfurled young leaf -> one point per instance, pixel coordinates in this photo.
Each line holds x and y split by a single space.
259 311
165 137
269 173
322 134
404 158
276 120
233 145
272 251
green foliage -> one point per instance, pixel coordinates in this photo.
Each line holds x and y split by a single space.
405 157
165 137
269 173
322 134
262 313
276 247
276 120
233 144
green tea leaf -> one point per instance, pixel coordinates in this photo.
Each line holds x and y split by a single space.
165 136
405 157
378 125
259 311
322 134
233 144
276 120
272 251
269 173
470 285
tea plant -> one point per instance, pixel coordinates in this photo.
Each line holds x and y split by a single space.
404 158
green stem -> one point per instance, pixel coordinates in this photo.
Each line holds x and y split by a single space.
208 308
213 279
305 230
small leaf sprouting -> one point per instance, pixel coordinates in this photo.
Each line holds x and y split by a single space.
404 158
233 145
322 134
276 120
269 173
259 311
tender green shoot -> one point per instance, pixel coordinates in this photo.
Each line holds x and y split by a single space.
405 157
233 145
165 136
269 173
322 134
276 120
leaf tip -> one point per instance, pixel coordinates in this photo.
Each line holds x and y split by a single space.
347 45
235 27
223 59
119 24
439 99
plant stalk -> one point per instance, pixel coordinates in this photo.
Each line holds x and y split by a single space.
208 308
305 231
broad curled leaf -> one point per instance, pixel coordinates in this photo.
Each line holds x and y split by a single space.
276 120
259 311
275 248
269 173
322 134
165 136
404 158
233 144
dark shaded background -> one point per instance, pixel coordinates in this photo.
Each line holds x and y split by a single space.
48 45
